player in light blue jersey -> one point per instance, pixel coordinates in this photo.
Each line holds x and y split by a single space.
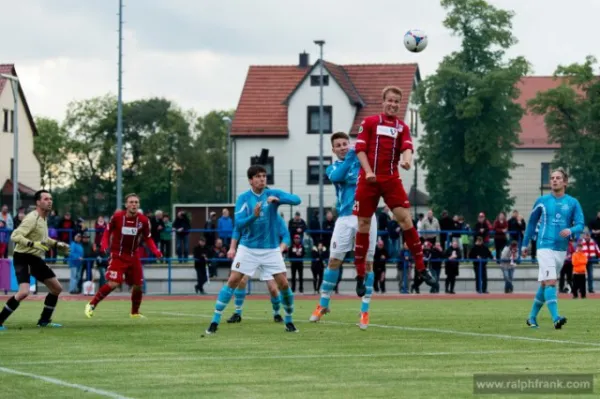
239 294
256 216
344 174
560 216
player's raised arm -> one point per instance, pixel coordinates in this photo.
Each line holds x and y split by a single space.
243 214
338 173
578 220
533 221
284 198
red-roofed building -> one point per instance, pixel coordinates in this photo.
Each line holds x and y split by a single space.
279 110
29 165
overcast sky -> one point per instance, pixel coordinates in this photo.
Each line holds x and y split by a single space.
197 52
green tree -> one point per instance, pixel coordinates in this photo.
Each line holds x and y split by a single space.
50 147
572 116
469 112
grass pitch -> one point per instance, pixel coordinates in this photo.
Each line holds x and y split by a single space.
425 348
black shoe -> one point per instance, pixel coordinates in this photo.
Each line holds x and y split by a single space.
426 276
212 329
560 322
277 318
235 318
290 327
361 288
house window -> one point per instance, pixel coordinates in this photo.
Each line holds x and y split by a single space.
312 170
12 121
545 174
5 121
314 80
313 119
270 167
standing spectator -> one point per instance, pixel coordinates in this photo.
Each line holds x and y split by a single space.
594 227
404 265
219 257
379 262
66 227
592 251
480 255
225 227
566 272
156 227
6 217
296 258
580 261
182 226
211 230
297 226
451 266
431 228
459 225
165 237
500 230
53 219
508 262
101 264
447 226
516 227
327 229
482 228
75 262
382 225
466 235
200 262
99 228
435 257
394 231
317 267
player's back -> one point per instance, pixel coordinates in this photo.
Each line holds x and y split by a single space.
263 233
556 214
126 232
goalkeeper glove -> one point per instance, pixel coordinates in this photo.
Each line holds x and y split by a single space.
38 245
63 247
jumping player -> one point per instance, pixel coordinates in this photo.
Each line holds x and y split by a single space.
383 141
125 231
560 216
257 217
343 173
240 292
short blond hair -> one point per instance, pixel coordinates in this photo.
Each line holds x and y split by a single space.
393 89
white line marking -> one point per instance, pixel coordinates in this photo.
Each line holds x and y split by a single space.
64 383
421 329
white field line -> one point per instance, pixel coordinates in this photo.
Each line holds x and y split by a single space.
63 383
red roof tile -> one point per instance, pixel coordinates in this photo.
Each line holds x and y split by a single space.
8 69
7 188
262 110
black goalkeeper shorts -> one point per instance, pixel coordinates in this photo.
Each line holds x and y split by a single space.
27 265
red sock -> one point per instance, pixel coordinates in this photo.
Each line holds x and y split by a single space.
101 294
136 300
360 252
411 237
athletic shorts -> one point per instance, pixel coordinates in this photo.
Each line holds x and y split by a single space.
266 261
344 235
366 198
27 265
126 269
549 263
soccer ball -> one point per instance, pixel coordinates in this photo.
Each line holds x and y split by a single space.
415 40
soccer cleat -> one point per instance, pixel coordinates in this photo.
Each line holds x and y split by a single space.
89 310
426 276
137 316
532 323
277 318
49 324
361 288
2 328
235 318
318 313
290 327
212 329
364 320
561 321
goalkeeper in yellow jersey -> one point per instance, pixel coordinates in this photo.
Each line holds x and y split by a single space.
31 244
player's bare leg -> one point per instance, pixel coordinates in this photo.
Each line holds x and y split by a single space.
102 293
235 278
287 298
54 288
362 247
411 238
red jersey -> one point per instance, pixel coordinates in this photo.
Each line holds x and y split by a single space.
383 138
126 233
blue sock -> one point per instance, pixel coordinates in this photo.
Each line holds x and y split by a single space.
287 298
552 301
366 300
240 296
330 278
222 301
276 302
538 302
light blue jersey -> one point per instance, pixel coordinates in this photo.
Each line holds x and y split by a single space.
284 233
344 175
261 232
554 215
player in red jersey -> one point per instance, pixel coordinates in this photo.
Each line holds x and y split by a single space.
383 142
127 229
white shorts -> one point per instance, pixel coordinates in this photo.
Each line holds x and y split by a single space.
266 261
550 262
344 235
